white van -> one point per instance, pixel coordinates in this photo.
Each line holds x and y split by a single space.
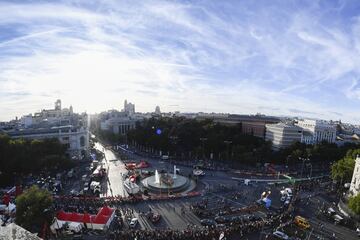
94 185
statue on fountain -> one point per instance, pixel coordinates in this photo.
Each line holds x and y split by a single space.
167 179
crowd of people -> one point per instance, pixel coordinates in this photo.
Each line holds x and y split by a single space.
195 232
70 204
272 221
62 202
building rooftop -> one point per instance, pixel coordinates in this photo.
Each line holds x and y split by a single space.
13 231
31 131
283 125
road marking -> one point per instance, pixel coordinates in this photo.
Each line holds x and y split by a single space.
241 204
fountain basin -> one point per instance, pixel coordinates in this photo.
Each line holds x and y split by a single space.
180 183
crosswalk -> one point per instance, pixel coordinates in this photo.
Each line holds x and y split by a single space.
94 233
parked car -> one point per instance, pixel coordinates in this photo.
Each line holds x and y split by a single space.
133 222
331 211
280 235
338 219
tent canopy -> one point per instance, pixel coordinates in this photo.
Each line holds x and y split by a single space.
76 217
106 210
63 216
103 217
86 218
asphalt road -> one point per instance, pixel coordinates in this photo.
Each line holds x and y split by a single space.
322 226
114 183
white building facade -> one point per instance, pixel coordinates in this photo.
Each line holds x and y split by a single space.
118 125
118 122
76 139
71 129
355 181
282 135
316 131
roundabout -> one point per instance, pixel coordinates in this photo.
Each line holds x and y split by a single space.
168 182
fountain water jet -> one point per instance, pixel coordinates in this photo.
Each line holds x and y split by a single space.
168 182
157 177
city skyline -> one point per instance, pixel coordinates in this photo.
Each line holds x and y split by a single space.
293 59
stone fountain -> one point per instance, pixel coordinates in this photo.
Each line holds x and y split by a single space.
168 182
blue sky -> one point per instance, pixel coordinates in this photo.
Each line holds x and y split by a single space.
274 57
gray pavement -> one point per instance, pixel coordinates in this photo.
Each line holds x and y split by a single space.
116 168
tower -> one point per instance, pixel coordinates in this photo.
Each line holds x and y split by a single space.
58 104
129 108
157 110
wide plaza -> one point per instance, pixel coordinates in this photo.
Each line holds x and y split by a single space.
224 202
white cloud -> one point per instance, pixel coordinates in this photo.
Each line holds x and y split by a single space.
233 59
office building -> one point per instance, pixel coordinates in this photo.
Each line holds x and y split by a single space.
282 135
70 128
317 131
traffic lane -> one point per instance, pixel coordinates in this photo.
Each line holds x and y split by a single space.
186 170
155 163
160 163
248 194
115 171
321 224
171 214
326 229
115 179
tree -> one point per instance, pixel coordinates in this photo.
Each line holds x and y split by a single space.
33 208
23 156
354 204
244 148
342 170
